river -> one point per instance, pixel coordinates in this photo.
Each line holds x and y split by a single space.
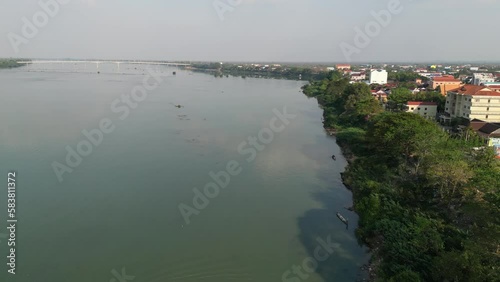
113 213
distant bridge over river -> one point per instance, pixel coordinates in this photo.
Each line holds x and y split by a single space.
97 63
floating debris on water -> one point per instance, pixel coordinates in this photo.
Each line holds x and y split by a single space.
193 141
183 117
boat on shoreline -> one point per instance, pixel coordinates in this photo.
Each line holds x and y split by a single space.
331 131
343 219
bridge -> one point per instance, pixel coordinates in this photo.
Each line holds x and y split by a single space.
100 62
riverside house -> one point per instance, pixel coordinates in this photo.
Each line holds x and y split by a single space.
490 132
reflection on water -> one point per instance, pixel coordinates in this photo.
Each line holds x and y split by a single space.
119 208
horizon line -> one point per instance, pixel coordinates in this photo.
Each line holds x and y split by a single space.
267 61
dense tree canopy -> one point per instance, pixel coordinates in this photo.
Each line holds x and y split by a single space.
351 104
405 76
429 203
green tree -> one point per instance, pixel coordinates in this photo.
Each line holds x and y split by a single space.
359 104
398 98
449 172
405 275
402 136
401 95
432 96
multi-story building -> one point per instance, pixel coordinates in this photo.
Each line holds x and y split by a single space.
378 77
494 87
445 83
473 102
425 109
358 76
482 78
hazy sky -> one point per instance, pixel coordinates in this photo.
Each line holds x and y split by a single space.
253 30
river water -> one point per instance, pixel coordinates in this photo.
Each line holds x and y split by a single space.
117 215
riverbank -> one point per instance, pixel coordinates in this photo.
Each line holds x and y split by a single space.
428 203
372 267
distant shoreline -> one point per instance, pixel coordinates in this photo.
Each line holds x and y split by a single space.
288 63
10 63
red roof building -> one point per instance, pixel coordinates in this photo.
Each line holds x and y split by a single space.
445 78
343 67
425 109
445 83
469 89
419 103
495 88
474 102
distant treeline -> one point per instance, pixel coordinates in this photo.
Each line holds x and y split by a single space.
280 72
429 203
9 63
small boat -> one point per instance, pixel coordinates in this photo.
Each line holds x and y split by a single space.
176 105
331 131
343 219
334 158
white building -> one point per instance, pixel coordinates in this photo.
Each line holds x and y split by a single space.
473 102
430 74
482 78
378 77
425 109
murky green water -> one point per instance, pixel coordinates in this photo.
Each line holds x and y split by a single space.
119 208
